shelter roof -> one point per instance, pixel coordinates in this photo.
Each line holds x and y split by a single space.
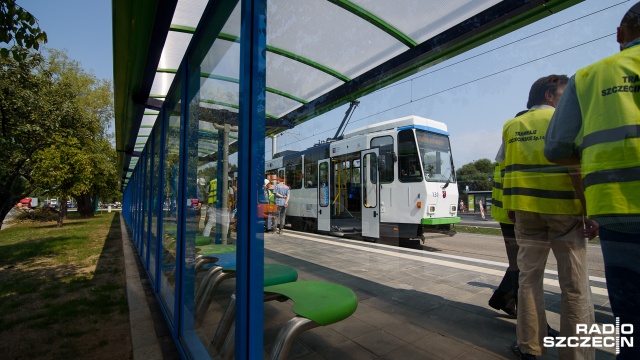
320 54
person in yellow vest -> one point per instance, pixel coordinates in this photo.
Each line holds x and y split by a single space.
212 203
548 217
505 297
597 127
269 198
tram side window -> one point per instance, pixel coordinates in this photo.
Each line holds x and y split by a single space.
310 172
311 167
385 157
293 172
408 160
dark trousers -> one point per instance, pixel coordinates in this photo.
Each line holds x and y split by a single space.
281 214
621 255
505 297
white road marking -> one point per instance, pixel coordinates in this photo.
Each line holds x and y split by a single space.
353 244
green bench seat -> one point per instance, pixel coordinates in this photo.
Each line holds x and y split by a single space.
316 303
322 302
273 274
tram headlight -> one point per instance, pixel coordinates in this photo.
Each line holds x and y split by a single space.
431 209
453 209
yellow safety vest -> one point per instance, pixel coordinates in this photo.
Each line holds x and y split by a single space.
531 182
498 213
213 191
609 96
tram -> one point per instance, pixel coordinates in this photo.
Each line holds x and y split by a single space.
392 182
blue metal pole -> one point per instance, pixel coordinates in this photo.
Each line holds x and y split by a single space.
250 247
181 207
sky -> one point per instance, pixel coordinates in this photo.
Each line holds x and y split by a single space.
82 27
473 93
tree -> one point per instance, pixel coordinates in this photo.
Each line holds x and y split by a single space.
478 175
102 180
64 169
94 108
32 109
20 30
54 117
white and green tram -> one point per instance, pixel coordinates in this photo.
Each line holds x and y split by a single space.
392 182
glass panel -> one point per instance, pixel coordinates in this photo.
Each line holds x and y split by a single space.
170 202
140 199
408 160
211 193
311 165
435 17
436 156
329 43
156 201
385 156
323 179
146 204
369 181
293 168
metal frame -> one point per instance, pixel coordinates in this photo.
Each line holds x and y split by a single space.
181 232
250 250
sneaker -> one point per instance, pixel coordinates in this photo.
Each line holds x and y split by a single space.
521 355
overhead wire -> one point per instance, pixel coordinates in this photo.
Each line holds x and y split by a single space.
459 85
500 47
482 77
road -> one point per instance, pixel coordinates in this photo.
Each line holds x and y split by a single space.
491 248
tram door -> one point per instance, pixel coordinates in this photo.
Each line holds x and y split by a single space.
370 194
324 210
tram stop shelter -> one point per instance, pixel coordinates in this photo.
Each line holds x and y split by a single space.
475 196
200 82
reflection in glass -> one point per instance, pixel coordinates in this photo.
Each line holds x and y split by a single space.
146 203
156 202
211 191
170 204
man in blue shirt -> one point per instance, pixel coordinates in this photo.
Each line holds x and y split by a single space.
282 195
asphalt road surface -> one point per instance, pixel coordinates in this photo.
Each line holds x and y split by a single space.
487 247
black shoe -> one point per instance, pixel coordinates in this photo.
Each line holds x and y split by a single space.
510 308
552 332
504 301
519 354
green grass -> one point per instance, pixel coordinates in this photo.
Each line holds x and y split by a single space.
478 230
61 287
497 232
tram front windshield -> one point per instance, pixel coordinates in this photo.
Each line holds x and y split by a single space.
435 151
